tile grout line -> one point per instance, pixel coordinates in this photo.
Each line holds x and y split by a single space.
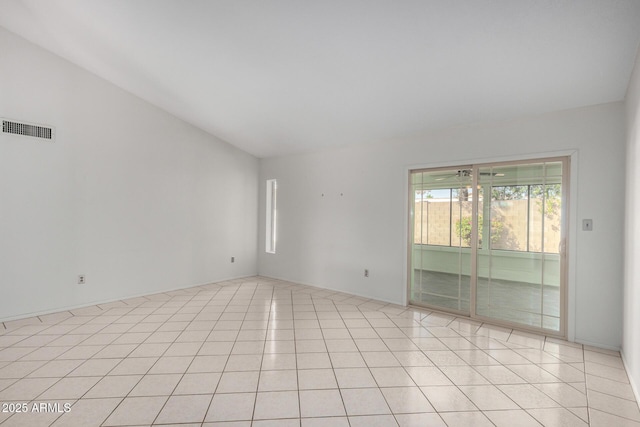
164 302
227 360
195 354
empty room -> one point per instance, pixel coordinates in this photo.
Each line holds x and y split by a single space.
257 213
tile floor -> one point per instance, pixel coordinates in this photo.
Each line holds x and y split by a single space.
261 352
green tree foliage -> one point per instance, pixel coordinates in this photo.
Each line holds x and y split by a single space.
550 193
463 230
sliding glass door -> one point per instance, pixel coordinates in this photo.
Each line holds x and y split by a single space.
442 203
486 241
519 271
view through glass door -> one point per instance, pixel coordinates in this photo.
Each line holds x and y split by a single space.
494 253
441 256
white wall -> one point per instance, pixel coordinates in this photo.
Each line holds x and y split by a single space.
129 195
631 339
328 241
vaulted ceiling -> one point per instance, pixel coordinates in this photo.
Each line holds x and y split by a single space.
275 77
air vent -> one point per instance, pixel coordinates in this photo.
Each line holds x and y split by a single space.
28 129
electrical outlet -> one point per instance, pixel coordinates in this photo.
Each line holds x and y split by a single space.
233 259
82 279
366 272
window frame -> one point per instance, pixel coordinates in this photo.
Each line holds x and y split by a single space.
271 216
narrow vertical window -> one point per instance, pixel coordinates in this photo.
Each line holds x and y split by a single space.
270 238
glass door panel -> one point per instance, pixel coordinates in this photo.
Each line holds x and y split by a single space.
440 238
510 266
518 259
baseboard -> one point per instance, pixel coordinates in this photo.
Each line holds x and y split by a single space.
332 289
107 301
634 386
594 344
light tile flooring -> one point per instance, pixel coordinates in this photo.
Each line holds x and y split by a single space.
261 352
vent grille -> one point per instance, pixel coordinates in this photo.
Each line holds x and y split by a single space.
27 129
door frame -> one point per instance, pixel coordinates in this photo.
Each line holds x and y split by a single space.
568 232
